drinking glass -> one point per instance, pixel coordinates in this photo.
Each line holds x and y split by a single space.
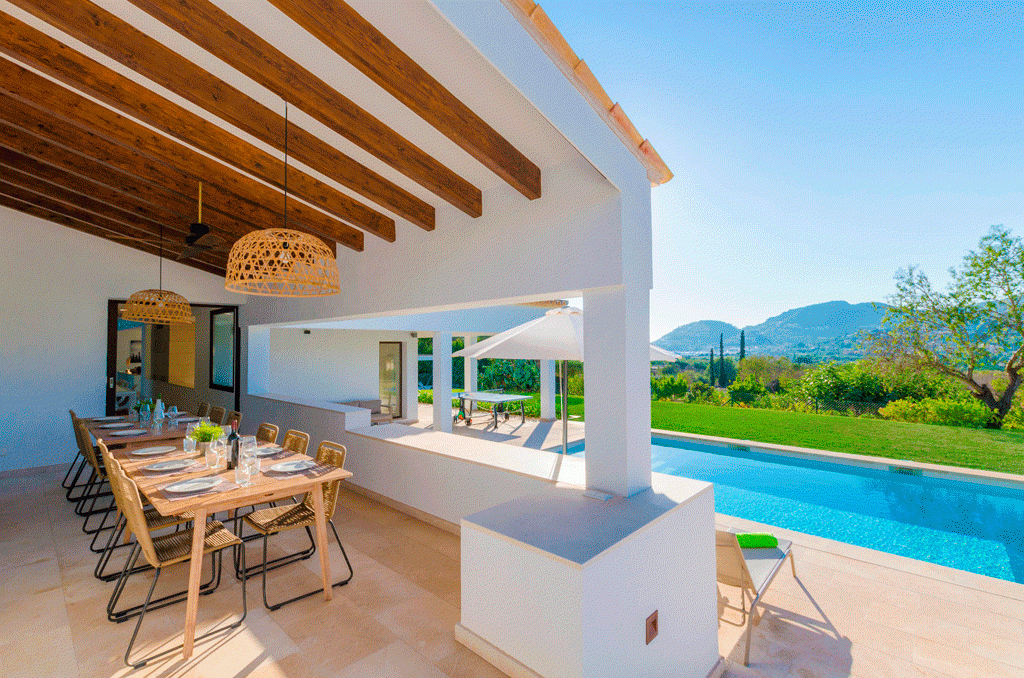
204 420
213 454
188 444
247 444
242 473
252 462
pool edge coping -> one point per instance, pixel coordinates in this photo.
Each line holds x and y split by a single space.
996 478
884 559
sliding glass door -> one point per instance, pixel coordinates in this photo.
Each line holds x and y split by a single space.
391 377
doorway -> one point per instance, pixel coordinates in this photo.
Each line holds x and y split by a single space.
391 377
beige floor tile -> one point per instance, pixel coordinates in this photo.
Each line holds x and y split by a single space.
958 661
425 623
396 660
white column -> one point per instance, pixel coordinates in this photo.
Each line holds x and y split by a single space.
443 382
410 379
469 365
547 390
618 395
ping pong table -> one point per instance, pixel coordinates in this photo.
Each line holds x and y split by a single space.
499 403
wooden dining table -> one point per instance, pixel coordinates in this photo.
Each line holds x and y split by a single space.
173 431
265 487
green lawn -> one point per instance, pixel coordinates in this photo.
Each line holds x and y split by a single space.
986 449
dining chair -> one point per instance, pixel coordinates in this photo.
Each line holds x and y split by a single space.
267 433
273 520
79 462
295 441
217 415
234 417
164 551
93 490
203 410
154 521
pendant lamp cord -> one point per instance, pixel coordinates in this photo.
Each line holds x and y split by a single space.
161 257
286 164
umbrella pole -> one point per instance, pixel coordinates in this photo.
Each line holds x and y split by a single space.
565 407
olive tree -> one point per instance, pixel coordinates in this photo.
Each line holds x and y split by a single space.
976 324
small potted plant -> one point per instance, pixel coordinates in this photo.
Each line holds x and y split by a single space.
146 404
204 434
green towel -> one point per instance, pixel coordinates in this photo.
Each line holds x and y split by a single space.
757 540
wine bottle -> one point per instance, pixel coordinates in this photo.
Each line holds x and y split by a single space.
233 439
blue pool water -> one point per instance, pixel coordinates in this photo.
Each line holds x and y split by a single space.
967 526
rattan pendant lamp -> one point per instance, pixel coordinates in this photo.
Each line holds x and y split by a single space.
282 262
159 306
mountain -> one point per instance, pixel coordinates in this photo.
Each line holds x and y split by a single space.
831 328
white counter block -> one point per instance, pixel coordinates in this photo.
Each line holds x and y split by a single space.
563 584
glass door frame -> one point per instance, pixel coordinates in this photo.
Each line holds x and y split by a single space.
399 377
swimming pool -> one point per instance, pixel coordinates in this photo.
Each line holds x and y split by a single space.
965 525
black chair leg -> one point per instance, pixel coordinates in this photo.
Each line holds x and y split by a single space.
142 662
278 606
170 599
78 462
276 562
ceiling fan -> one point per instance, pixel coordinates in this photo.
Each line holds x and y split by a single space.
198 240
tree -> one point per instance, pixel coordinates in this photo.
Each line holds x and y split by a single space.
976 324
722 379
743 345
711 368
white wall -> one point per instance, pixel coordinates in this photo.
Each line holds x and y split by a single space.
53 328
332 365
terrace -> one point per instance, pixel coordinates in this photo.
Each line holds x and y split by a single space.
448 155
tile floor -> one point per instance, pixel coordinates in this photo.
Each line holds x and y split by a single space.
845 615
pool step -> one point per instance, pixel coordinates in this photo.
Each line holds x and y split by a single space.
904 471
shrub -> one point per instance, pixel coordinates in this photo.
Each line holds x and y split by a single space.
205 433
746 390
668 388
576 384
699 392
943 411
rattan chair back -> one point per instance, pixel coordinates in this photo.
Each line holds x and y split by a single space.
234 417
84 441
131 506
296 441
217 415
267 433
329 454
203 410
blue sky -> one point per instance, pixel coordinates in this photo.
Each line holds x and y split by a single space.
816 148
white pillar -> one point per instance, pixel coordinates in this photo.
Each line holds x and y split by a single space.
410 379
618 395
443 382
469 365
547 390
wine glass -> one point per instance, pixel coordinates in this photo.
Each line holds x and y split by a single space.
214 453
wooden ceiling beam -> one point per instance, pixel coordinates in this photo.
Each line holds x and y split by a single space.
22 126
356 40
219 33
73 162
119 40
30 189
84 227
174 222
40 51
13 196
27 87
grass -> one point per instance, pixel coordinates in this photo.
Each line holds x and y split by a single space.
986 449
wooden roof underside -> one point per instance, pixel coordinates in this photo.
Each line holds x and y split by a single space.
129 168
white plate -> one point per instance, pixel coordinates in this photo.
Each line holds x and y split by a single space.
293 466
117 417
186 420
170 465
194 485
147 451
123 424
129 432
268 451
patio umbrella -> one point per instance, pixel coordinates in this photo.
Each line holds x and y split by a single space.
661 355
557 335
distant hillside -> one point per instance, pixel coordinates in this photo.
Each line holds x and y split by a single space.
831 327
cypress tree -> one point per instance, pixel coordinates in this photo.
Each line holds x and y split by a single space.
743 346
721 361
711 368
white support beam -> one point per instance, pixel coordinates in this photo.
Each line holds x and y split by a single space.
618 394
547 390
443 382
470 366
